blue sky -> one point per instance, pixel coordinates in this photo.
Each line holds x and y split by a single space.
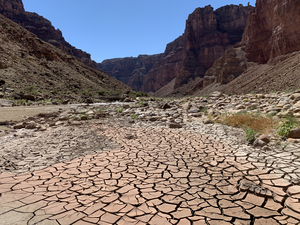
120 28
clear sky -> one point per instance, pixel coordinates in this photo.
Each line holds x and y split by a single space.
120 28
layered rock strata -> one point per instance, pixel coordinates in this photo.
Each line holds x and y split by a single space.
208 34
271 32
130 70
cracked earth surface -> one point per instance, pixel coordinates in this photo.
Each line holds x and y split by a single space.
154 175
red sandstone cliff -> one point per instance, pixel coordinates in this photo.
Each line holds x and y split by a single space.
272 31
42 28
166 68
208 34
130 70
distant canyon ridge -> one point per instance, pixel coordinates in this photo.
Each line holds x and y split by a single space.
208 34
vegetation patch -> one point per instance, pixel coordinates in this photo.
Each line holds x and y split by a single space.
31 90
286 125
250 122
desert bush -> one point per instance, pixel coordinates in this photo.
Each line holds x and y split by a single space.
255 122
250 134
101 92
285 126
31 90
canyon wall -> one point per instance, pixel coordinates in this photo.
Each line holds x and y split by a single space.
42 28
272 31
130 70
208 34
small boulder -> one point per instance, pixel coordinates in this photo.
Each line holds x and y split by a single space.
29 97
264 138
19 125
197 114
63 118
208 121
292 140
166 106
6 103
175 125
127 100
30 125
294 133
259 143
295 96
216 94
194 110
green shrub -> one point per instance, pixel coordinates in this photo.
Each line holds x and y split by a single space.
141 94
250 134
86 93
120 110
31 90
284 128
133 116
101 92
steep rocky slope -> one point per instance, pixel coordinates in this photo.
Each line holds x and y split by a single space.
27 61
130 70
266 59
14 10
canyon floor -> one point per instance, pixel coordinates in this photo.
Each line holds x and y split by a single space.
117 169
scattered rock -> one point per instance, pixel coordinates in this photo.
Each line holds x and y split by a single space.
193 110
129 136
19 126
295 96
175 125
208 121
6 103
292 140
264 138
166 106
29 97
294 133
216 94
259 143
30 125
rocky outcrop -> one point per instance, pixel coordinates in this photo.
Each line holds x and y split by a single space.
271 32
42 28
166 69
232 64
130 70
208 34
12 8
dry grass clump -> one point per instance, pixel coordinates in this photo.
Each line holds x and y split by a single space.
255 122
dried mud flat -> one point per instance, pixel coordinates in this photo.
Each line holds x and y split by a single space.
110 172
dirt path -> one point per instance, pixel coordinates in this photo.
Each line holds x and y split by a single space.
154 176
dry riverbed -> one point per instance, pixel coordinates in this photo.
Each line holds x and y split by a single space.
149 162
